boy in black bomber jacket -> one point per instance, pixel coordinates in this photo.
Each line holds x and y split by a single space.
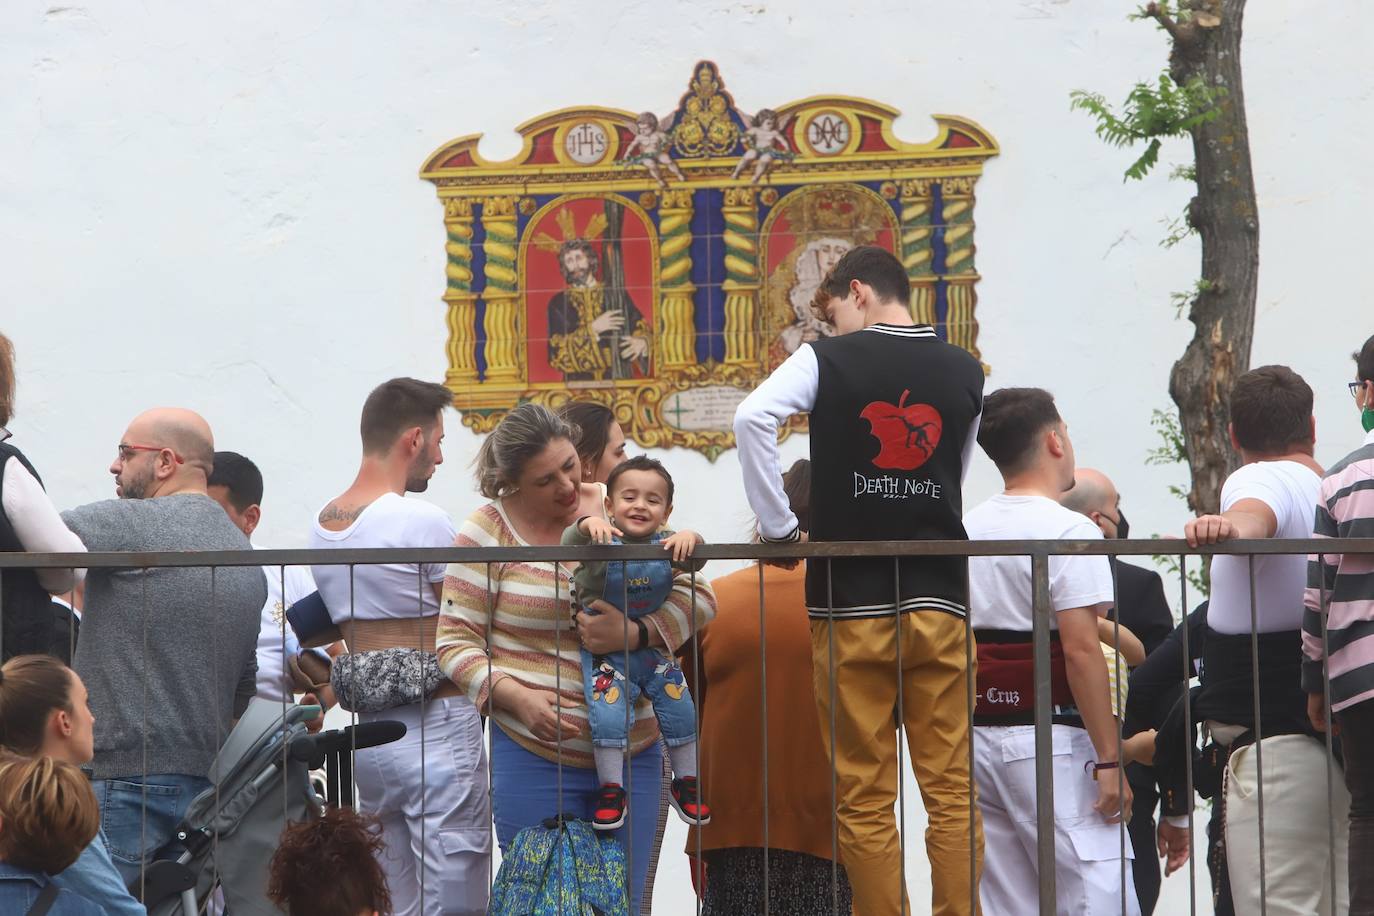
894 417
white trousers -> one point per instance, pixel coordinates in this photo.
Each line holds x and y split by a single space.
1089 873
1298 858
437 828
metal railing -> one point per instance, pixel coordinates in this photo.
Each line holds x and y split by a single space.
1038 552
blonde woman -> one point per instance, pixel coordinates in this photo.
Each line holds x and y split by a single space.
507 639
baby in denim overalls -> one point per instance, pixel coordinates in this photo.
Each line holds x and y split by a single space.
639 498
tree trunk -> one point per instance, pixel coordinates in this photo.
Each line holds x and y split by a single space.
1225 214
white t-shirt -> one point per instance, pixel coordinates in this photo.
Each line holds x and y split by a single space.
273 682
1291 491
1000 587
385 590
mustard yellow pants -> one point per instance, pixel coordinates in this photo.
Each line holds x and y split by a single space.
856 662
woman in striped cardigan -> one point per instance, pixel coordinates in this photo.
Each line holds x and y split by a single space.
507 638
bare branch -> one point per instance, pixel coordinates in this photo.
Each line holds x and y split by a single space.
1155 12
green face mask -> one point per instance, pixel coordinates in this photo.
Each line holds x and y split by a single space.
1367 419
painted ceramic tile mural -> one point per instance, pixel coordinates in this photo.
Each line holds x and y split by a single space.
664 263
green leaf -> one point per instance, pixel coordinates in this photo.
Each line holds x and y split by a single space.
1150 113
1147 161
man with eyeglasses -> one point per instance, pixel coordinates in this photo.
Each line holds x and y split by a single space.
168 654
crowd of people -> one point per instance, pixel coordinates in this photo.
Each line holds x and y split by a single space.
765 708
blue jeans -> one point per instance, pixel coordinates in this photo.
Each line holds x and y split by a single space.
525 792
95 877
611 690
135 832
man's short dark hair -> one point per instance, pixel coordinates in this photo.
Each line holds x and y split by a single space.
872 265
639 463
1271 410
1364 361
398 405
240 478
1013 419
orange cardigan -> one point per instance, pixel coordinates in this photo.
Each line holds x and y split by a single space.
727 684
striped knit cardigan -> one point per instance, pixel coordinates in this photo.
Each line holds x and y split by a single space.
1344 584
525 609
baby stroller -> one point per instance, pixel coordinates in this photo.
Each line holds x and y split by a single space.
260 780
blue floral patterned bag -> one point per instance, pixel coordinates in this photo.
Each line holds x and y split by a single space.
561 867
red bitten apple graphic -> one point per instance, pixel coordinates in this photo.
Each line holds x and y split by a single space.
908 433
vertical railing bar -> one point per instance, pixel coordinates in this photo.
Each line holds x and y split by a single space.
420 676
219 718
490 730
1120 730
71 619
1044 736
143 817
558 706
1188 730
1259 733
972 736
286 680
1324 606
629 825
696 672
901 729
353 714
834 773
763 705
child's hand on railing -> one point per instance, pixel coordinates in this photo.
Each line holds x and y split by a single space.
682 544
599 530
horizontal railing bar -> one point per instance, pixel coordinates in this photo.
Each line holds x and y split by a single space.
344 557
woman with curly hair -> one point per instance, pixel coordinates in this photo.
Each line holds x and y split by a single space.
329 867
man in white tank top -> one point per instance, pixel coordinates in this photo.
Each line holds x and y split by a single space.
1272 495
429 789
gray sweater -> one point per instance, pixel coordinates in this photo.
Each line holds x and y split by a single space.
157 648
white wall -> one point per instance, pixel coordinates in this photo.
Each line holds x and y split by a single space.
216 204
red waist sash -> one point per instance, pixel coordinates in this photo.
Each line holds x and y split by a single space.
1006 676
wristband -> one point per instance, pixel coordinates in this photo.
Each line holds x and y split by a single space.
643 634
1095 767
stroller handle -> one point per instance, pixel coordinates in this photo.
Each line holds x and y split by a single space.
313 749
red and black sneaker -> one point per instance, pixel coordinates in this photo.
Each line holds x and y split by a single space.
610 808
690 808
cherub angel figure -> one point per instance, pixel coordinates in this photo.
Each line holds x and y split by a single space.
649 148
765 140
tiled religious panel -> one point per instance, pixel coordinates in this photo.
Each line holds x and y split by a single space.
664 263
